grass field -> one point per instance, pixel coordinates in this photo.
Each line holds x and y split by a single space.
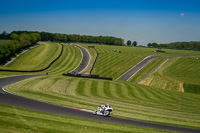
18 120
113 64
46 53
151 103
129 100
69 60
37 58
180 74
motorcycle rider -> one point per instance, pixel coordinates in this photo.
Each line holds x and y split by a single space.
102 107
107 105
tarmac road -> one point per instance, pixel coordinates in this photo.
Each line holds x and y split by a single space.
127 75
19 101
85 59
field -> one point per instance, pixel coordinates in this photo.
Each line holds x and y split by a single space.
46 53
180 74
155 99
129 100
35 59
18 120
113 64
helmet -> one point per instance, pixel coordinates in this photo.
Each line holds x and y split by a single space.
107 105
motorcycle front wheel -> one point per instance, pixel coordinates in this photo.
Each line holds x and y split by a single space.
95 112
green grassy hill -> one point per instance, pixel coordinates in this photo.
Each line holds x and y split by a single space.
113 64
180 74
148 102
41 56
37 58
129 100
18 120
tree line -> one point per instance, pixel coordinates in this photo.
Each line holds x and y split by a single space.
59 37
16 44
23 39
193 45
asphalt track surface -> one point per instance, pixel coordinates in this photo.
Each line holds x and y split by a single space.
127 75
19 101
85 59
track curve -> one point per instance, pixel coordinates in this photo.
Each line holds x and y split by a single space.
19 101
85 59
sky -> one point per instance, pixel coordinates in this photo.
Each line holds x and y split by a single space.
144 21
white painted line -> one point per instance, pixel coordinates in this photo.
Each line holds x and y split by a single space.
9 92
133 67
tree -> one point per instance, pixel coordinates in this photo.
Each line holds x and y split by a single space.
128 43
25 39
149 45
155 45
35 37
4 35
14 36
134 43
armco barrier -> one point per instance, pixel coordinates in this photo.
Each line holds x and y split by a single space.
36 70
87 76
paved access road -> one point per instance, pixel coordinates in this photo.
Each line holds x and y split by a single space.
127 75
19 101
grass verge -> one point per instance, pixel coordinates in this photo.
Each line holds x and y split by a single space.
18 120
129 100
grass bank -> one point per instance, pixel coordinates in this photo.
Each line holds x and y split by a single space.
129 100
181 74
18 120
114 64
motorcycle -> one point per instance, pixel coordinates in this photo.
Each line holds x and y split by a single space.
105 111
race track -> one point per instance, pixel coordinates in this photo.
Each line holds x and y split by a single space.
19 101
85 59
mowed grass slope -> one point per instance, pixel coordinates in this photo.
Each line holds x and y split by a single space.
41 56
175 74
69 60
113 64
37 58
132 101
18 120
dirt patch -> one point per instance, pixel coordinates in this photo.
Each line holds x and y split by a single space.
147 80
181 89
